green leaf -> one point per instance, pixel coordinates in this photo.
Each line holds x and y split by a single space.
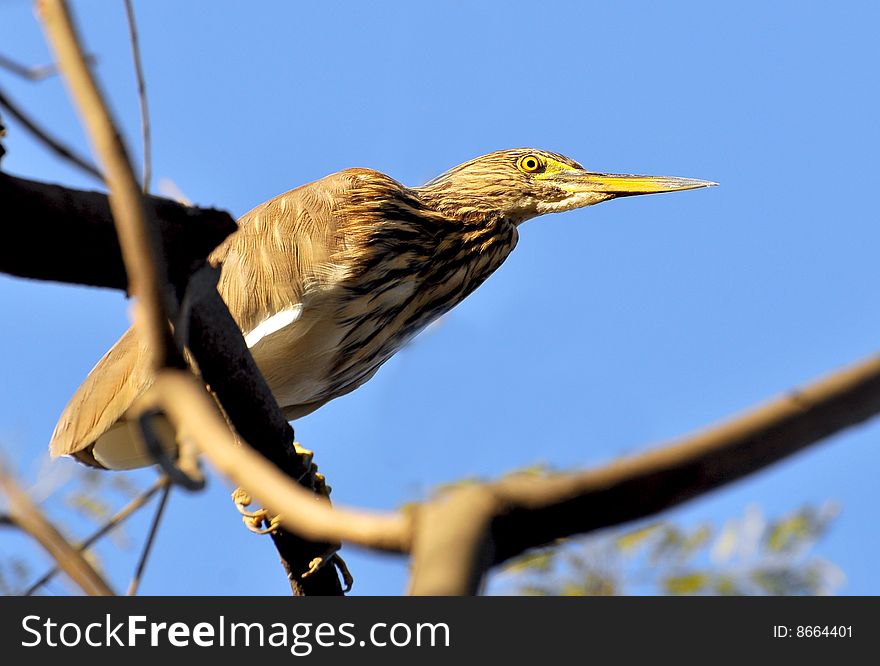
538 560
632 540
692 583
789 533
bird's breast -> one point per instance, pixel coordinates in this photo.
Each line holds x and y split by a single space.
342 332
380 320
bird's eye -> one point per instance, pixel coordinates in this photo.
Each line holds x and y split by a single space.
531 163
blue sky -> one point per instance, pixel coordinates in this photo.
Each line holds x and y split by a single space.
608 330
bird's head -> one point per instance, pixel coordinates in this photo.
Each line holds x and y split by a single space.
523 183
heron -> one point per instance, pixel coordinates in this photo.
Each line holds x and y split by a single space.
329 280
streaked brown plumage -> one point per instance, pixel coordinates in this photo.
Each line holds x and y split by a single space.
328 280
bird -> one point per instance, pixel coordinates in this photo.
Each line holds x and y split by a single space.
327 281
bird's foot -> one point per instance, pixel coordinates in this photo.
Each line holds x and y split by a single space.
262 522
259 521
306 456
332 557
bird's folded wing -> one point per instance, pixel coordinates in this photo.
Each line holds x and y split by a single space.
114 383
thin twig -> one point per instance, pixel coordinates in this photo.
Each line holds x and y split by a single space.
113 522
64 152
148 544
140 246
27 516
142 94
34 72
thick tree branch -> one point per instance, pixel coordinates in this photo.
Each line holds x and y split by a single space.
27 516
58 233
229 369
76 242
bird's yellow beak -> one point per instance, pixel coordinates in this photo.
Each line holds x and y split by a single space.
577 181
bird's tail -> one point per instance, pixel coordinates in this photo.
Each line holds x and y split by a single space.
93 427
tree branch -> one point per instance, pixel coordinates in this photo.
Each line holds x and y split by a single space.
147 276
75 240
34 72
115 521
142 94
141 249
531 511
190 408
43 136
522 512
148 544
27 516
451 543
227 366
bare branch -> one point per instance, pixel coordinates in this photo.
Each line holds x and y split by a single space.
535 510
34 72
142 94
190 408
114 521
226 365
43 136
452 547
527 511
27 516
632 488
75 240
140 247
148 544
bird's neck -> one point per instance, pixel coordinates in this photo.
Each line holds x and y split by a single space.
455 205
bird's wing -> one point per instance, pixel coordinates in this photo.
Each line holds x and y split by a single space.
113 384
282 249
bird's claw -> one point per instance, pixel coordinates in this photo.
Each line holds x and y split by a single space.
262 522
259 521
305 454
332 557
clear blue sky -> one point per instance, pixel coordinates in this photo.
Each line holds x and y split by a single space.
608 330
